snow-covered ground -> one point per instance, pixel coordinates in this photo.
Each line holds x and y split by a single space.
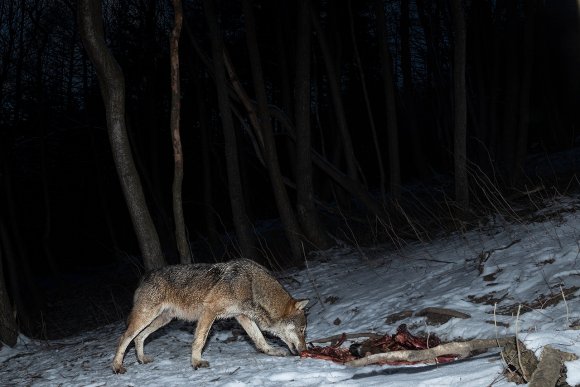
355 290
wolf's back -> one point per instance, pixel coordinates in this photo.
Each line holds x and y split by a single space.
239 278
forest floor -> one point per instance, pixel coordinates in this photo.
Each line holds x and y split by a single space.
488 274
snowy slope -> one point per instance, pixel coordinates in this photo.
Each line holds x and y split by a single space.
532 264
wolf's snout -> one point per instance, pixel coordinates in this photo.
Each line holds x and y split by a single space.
298 348
302 347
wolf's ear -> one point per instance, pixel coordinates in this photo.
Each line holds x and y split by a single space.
301 304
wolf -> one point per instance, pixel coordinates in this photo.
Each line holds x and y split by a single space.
240 288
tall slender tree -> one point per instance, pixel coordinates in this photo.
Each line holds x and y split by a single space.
511 84
205 144
291 226
307 212
372 125
8 326
180 232
526 89
112 85
408 92
390 98
460 106
242 225
334 86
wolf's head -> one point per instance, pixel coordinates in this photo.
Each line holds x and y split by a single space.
291 328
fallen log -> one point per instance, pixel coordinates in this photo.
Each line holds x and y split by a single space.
458 349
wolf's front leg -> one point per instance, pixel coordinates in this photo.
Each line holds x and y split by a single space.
203 326
258 338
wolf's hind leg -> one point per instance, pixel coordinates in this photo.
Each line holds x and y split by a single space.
163 319
138 320
258 338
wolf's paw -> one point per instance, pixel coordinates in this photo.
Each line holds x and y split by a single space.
276 351
119 369
199 364
145 360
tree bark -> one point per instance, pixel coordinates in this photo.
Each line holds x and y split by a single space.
112 85
242 225
391 106
307 213
180 232
287 216
460 106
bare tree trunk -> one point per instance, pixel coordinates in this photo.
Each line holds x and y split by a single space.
524 111
333 83
19 63
392 124
46 246
8 326
42 119
479 81
460 99
208 209
511 84
103 201
291 227
368 106
112 85
180 233
242 224
8 50
307 213
149 155
285 89
409 109
404 30
71 71
16 256
494 97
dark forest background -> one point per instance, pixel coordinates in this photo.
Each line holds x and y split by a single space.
303 124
